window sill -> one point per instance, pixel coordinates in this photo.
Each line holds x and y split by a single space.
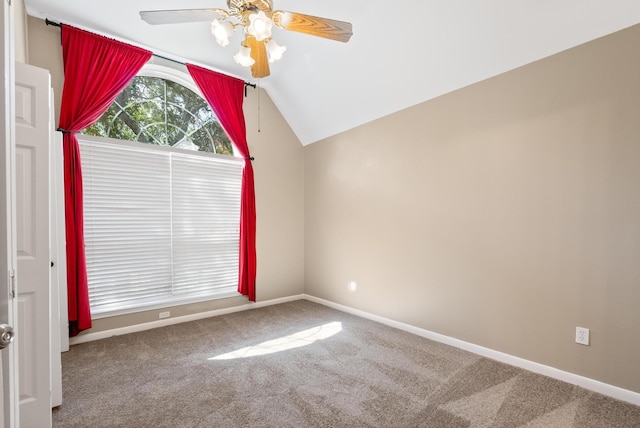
168 303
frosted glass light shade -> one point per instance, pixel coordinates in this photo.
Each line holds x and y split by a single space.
243 57
275 51
222 31
259 26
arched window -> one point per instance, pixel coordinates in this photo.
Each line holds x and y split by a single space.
163 108
161 199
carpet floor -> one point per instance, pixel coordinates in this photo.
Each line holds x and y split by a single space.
301 364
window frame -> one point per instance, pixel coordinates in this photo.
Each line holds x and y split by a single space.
183 78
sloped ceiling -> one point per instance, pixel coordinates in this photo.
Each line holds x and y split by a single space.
401 53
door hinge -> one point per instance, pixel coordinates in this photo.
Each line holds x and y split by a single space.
12 278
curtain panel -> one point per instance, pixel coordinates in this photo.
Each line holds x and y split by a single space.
225 96
96 70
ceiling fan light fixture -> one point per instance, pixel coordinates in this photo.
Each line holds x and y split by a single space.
255 19
275 51
222 31
243 57
259 26
281 18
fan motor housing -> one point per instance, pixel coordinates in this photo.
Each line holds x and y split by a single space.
238 7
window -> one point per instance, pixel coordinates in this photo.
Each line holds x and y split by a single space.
154 109
162 212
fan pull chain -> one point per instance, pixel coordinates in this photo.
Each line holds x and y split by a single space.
258 107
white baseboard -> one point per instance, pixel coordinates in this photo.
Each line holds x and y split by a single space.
584 382
89 337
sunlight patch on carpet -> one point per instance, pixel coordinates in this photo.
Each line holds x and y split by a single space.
296 340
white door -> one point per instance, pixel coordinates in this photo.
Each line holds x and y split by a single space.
34 256
9 414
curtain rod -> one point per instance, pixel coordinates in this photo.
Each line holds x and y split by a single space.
59 25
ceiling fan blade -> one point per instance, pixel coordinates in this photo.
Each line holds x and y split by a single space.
313 25
178 16
260 68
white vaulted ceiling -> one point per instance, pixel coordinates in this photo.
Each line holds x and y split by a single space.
401 53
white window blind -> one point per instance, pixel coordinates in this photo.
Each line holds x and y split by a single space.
161 225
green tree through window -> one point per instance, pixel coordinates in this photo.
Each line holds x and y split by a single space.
159 111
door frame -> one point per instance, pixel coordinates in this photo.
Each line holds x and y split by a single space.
8 254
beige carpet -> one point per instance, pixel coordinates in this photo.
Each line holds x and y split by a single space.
301 364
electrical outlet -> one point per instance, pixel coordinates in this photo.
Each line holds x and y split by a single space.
162 315
353 286
582 336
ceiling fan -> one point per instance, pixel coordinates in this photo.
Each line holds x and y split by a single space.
256 18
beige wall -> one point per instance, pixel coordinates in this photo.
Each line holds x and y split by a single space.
45 51
279 177
20 18
504 214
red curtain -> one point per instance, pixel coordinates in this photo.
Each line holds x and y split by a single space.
96 70
225 95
